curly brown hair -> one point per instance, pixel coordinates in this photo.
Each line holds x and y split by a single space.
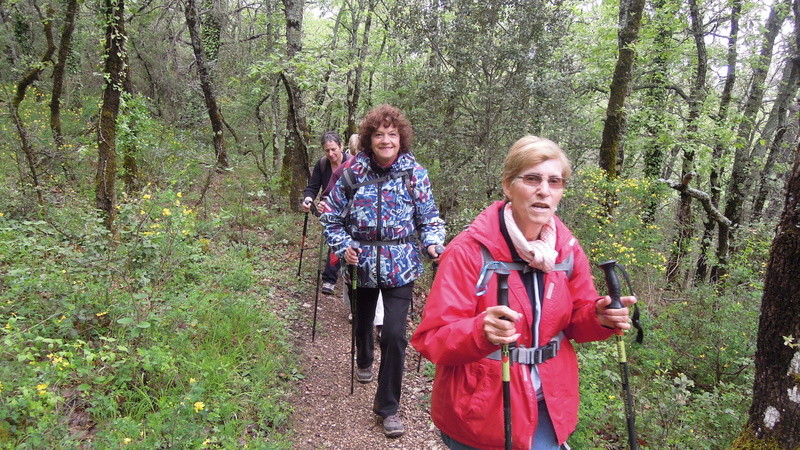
385 115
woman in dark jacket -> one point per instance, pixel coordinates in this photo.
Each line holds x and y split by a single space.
320 176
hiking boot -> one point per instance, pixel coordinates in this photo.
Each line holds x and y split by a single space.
364 376
393 426
327 288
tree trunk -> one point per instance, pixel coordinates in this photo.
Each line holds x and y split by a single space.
684 238
774 416
30 77
294 172
58 81
105 192
206 84
778 115
737 191
354 87
722 118
614 129
130 165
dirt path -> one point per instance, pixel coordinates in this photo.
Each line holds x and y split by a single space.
326 415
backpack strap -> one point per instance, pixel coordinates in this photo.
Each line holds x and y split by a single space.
490 266
350 185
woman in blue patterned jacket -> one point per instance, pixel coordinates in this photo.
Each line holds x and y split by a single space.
381 201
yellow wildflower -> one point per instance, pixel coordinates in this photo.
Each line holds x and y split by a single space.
192 380
127 441
101 314
199 406
166 212
179 194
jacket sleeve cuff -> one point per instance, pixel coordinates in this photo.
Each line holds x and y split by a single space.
479 337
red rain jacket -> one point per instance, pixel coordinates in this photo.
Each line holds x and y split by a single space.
467 400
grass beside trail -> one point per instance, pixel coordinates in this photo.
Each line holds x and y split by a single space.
160 339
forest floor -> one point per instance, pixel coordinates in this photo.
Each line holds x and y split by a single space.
325 414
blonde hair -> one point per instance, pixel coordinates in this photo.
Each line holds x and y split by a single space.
354 143
530 151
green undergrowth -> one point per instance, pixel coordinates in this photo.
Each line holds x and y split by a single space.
691 379
160 338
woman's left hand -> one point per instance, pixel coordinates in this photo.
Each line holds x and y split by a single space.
614 318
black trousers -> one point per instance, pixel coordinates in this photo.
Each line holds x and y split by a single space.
396 303
331 272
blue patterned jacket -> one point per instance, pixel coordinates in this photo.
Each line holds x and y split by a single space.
400 217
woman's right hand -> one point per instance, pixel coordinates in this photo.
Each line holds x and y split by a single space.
498 325
351 256
306 204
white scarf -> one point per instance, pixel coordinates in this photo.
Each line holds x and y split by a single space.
540 253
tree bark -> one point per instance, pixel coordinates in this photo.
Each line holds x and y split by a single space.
294 172
774 415
614 129
130 166
105 190
206 84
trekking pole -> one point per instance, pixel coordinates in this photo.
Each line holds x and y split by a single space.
354 311
612 281
302 244
319 276
502 300
313 210
439 249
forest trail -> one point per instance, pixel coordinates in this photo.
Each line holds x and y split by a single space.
325 414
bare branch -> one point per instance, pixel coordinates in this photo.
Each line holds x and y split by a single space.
703 197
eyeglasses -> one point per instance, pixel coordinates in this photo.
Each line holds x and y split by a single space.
535 179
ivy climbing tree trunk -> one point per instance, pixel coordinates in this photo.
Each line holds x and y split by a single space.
206 84
294 172
114 70
630 17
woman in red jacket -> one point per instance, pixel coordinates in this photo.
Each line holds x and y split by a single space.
552 300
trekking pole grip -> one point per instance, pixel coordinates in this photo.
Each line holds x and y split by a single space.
502 287
355 245
612 281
